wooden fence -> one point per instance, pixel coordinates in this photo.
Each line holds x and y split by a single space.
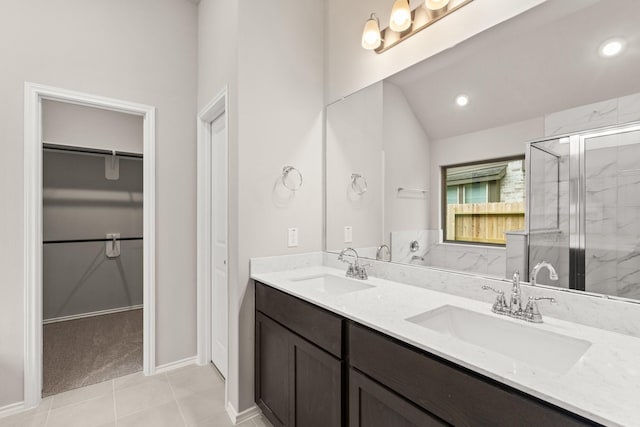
484 222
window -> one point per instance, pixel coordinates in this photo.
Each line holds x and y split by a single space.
483 200
476 192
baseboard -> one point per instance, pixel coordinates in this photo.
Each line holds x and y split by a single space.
91 314
247 414
175 365
12 409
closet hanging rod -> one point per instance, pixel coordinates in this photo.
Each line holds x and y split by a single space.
82 150
47 242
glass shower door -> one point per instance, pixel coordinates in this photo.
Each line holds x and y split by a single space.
548 207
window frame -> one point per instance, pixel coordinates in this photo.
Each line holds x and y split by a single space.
444 202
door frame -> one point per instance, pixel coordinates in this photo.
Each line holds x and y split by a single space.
213 110
34 94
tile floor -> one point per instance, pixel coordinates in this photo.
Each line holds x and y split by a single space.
190 396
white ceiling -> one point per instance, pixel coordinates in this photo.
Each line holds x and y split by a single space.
543 61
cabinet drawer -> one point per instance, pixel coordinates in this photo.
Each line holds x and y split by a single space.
317 325
453 394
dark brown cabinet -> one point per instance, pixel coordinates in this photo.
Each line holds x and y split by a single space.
316 389
298 383
372 405
314 368
451 393
272 370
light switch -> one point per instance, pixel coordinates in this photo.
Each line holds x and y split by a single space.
348 234
292 237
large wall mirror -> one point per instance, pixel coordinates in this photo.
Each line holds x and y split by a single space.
428 167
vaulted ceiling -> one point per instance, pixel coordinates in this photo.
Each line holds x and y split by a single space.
543 61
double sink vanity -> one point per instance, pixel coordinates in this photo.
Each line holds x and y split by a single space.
404 351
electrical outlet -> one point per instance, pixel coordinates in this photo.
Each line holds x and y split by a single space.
292 237
348 234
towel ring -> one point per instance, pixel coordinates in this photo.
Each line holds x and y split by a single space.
291 178
358 184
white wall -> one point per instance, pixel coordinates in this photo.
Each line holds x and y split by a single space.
275 79
71 124
503 141
80 203
375 133
351 68
142 51
281 120
354 138
217 69
406 147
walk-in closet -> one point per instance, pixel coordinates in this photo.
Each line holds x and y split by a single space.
92 182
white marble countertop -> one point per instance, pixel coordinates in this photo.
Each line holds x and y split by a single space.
604 385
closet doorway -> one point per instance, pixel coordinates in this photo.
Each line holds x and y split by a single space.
213 282
92 214
89 245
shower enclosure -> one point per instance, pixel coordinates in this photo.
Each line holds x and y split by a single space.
584 209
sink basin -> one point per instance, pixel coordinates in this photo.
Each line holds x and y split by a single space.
521 342
330 284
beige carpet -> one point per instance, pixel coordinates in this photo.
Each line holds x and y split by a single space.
87 351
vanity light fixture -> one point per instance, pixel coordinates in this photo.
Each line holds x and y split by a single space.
400 18
404 22
371 34
436 8
611 48
462 100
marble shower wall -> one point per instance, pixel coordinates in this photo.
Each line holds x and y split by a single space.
483 260
599 114
612 214
401 246
612 170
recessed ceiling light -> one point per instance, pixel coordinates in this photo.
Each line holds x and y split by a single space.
462 100
611 48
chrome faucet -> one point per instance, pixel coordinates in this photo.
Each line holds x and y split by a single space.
355 270
500 306
539 266
515 303
379 252
514 308
531 312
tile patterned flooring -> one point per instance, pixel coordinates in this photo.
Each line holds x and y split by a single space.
189 396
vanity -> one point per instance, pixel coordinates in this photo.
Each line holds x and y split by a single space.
457 200
332 351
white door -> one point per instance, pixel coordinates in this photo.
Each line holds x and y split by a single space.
219 242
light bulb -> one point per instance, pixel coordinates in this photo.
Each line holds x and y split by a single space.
400 16
462 100
371 34
611 48
435 4
436 8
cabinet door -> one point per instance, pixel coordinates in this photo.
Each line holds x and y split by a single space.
272 370
371 405
316 386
